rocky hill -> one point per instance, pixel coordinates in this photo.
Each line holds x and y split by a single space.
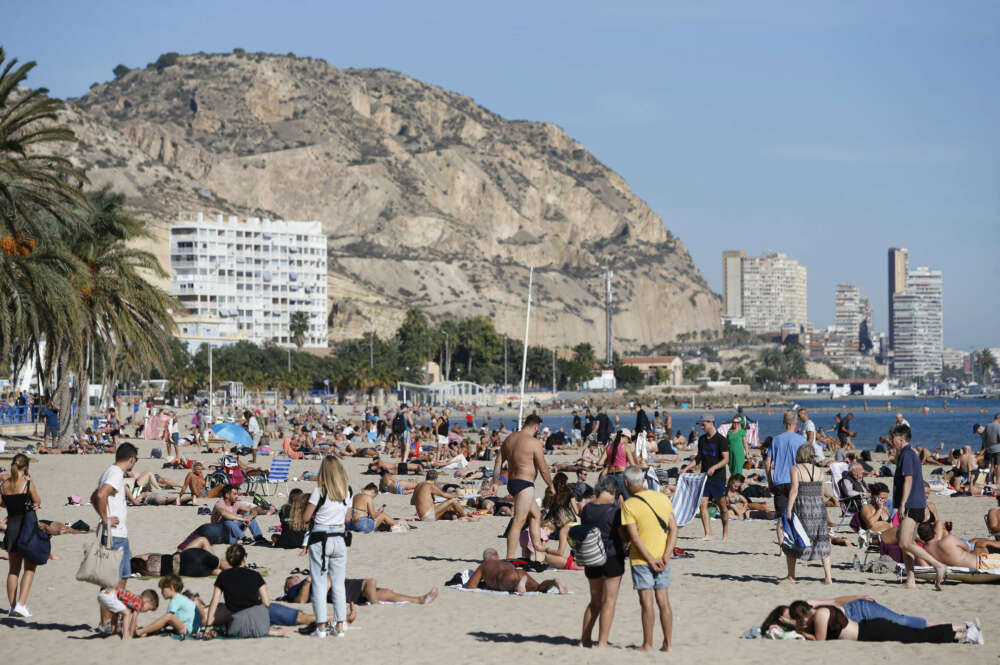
427 198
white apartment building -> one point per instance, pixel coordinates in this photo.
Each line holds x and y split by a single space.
852 310
243 280
732 284
918 325
774 292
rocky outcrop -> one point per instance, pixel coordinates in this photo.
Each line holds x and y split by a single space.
428 199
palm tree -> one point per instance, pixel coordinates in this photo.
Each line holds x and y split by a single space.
986 363
298 326
39 203
128 320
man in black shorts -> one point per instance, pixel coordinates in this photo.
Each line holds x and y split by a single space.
910 502
713 455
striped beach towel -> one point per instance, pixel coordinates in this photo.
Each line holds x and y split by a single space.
687 497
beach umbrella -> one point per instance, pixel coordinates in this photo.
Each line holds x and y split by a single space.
233 433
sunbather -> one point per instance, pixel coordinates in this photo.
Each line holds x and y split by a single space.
363 517
423 501
498 575
953 551
359 591
389 483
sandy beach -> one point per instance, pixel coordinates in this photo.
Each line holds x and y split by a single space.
726 588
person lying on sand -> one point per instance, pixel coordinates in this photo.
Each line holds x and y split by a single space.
359 591
498 575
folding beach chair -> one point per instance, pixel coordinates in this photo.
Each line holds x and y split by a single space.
688 496
837 472
261 483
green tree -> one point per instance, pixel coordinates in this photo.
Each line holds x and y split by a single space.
985 364
120 71
628 376
584 353
693 371
298 326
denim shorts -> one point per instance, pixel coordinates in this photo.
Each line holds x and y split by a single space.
282 615
644 577
362 525
126 567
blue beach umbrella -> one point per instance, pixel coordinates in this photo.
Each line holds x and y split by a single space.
233 433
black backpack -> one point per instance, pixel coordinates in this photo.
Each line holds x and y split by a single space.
398 423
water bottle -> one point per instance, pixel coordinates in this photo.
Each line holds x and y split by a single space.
857 562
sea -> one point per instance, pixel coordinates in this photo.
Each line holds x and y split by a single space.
934 421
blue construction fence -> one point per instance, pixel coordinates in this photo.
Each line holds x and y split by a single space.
22 415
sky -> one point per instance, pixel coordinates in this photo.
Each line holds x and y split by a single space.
830 131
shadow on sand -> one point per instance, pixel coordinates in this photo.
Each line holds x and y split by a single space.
517 638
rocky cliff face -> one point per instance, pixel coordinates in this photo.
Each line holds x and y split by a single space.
428 199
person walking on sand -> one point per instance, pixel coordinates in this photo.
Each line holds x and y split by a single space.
807 500
20 497
110 505
713 456
648 517
778 467
525 459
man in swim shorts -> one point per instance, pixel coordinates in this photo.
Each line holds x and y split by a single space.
525 460
423 501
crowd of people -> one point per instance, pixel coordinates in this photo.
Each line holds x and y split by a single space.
627 515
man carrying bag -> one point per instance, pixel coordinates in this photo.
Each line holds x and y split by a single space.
111 507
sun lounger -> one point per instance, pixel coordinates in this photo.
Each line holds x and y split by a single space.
954 574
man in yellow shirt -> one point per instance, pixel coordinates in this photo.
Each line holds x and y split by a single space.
648 517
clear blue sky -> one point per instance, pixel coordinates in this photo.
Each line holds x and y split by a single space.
827 130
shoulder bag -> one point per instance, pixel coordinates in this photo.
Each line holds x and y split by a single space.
32 543
101 565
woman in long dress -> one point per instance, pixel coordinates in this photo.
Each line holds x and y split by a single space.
807 500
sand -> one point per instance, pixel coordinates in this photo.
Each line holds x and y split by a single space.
727 588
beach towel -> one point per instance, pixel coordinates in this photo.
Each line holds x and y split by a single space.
953 574
687 497
652 480
795 536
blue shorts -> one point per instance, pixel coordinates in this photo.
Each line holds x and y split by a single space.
644 577
714 489
282 615
126 566
52 430
362 525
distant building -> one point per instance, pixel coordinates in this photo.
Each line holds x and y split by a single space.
732 285
851 344
954 359
774 293
918 325
648 365
897 284
243 280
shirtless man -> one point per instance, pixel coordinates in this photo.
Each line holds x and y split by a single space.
297 590
525 460
498 575
423 501
194 482
978 554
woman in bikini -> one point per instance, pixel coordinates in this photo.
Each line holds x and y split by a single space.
875 516
618 455
738 505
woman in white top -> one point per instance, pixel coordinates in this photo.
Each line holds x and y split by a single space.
328 505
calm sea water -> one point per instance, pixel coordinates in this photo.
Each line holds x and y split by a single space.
948 421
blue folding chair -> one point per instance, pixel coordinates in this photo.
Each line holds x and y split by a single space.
267 482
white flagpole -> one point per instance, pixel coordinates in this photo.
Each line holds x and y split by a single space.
211 393
524 357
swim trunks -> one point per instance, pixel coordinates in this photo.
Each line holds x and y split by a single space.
429 516
515 486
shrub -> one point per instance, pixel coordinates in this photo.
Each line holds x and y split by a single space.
120 71
166 60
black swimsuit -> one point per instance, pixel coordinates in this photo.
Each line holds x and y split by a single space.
515 486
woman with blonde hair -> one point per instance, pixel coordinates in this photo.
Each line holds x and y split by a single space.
806 499
20 497
327 507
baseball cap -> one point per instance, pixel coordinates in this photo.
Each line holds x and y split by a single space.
975 428
626 432
706 418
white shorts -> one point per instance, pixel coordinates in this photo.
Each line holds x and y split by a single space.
577 435
108 599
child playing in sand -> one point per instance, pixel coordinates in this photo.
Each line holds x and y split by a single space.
180 612
132 605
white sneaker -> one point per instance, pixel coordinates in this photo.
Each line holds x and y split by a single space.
103 629
320 633
20 610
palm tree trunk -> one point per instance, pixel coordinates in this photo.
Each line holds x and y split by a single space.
62 398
